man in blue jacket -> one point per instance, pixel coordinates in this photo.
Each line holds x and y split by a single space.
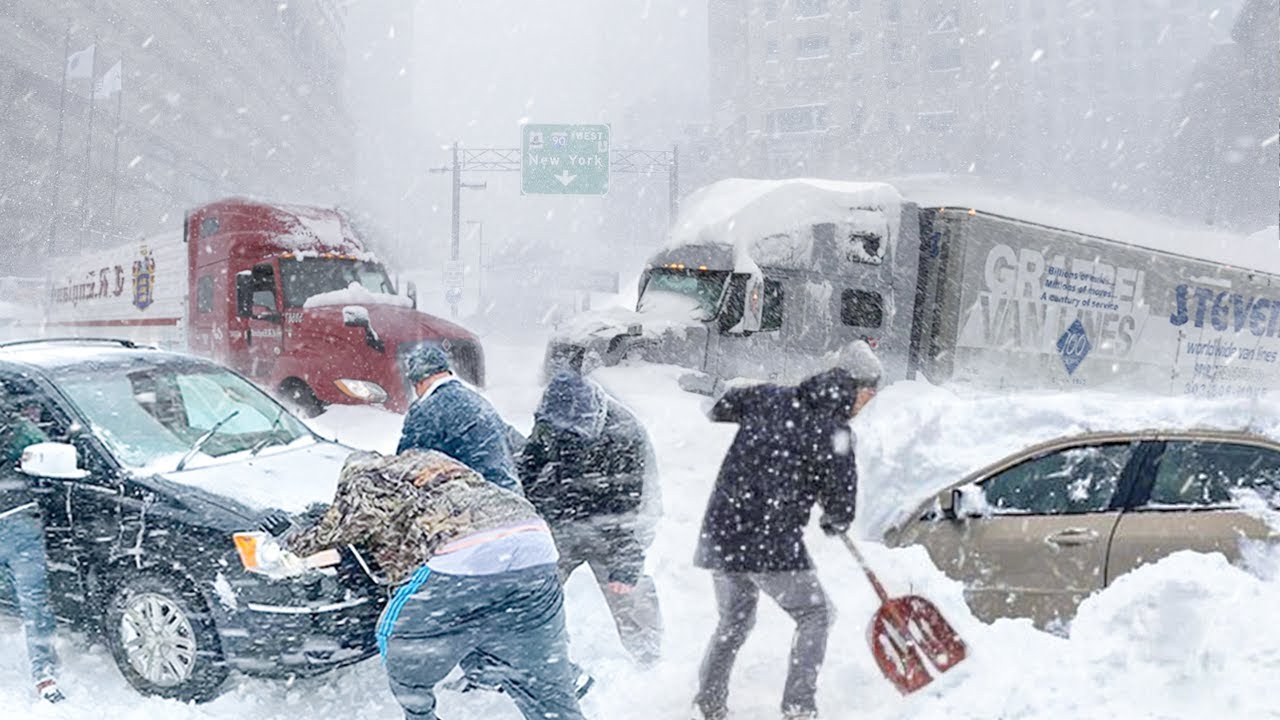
794 448
454 419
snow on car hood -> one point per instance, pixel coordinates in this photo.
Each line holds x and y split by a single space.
286 478
955 433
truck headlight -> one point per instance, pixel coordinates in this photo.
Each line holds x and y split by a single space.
362 390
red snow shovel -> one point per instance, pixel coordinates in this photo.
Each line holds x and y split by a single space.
910 639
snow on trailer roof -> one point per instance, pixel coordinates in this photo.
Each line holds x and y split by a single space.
740 212
1260 252
304 230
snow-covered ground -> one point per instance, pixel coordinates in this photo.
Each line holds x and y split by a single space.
1190 637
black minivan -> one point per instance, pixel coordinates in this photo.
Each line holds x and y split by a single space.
180 454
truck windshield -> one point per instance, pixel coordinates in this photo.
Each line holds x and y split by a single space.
682 294
150 417
308 277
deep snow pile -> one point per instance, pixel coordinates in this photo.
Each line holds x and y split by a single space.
1190 637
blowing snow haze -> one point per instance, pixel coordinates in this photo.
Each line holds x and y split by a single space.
996 280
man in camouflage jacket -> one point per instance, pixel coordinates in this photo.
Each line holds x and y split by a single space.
474 569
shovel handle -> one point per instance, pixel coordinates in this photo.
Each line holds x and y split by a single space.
857 556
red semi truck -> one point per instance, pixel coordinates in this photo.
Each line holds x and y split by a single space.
288 295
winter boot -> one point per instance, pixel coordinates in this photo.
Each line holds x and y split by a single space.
48 689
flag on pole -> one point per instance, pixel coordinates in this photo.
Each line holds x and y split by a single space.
111 82
80 65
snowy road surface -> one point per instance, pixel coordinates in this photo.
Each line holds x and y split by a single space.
1188 638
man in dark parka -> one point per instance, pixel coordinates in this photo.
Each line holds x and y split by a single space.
794 447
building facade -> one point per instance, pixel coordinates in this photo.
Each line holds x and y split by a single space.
1072 95
235 97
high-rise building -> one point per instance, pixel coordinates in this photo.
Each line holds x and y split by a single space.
165 105
1062 94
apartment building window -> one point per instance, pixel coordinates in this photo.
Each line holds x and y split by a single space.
944 16
944 54
857 44
771 50
810 8
813 46
857 117
771 9
940 122
798 119
893 51
891 10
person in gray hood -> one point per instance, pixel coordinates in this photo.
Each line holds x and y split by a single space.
589 468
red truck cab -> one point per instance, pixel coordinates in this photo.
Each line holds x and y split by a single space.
290 296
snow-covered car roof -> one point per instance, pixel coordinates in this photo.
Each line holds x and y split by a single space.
59 354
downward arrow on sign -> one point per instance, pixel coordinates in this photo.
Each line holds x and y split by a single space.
565 178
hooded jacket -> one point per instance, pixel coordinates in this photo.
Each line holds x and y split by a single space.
403 508
457 421
793 448
588 461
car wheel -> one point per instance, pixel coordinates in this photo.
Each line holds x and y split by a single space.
164 640
299 397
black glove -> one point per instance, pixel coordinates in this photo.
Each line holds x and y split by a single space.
832 527
276 522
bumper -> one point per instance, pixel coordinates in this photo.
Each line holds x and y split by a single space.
277 640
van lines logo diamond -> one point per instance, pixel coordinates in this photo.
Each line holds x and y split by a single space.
1073 346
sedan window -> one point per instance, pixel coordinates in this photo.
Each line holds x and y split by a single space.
1212 473
1076 480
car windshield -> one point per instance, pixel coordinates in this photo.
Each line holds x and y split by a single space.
307 277
682 294
152 416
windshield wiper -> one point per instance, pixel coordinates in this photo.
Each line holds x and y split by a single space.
271 434
204 439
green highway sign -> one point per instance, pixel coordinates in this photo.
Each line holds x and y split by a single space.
565 160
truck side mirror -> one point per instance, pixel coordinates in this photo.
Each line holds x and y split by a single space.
358 316
411 292
742 311
729 319
244 295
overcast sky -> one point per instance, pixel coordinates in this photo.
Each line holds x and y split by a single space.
483 65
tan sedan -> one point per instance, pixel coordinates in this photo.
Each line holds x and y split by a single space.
1036 533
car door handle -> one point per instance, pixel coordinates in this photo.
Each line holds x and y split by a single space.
1073 536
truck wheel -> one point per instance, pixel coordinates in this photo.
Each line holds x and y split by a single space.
300 398
163 639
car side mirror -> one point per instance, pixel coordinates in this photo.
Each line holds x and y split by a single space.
51 460
967 501
411 292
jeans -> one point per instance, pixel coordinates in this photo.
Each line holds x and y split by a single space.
22 552
513 620
636 614
801 596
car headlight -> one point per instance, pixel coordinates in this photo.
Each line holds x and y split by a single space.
362 390
261 553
